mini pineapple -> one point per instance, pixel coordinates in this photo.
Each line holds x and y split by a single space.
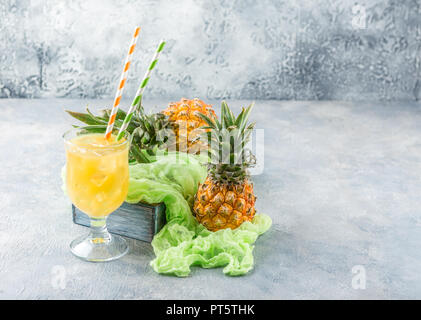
226 198
184 115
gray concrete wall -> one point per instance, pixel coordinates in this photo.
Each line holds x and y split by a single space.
266 49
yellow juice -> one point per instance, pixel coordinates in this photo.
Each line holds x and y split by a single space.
97 173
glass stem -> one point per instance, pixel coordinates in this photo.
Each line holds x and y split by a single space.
99 233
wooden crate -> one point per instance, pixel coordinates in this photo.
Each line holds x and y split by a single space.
138 221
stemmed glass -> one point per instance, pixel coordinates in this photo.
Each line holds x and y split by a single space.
97 180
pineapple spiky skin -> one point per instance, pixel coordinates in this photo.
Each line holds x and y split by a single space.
184 116
226 199
224 205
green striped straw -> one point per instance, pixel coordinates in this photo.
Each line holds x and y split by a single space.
138 98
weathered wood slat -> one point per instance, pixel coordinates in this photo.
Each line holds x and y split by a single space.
138 221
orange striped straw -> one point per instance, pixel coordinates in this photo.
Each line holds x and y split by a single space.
122 82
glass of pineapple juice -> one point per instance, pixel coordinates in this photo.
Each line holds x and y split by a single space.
97 181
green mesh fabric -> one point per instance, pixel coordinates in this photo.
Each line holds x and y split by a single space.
182 242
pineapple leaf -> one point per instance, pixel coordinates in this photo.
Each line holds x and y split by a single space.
139 155
121 115
104 114
90 113
208 120
228 139
227 116
218 124
246 115
251 126
223 115
239 118
95 128
85 118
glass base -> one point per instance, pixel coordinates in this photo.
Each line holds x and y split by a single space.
86 249
99 245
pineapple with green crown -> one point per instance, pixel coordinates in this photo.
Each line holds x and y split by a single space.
226 199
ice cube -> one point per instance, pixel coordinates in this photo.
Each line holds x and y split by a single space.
98 179
100 196
107 165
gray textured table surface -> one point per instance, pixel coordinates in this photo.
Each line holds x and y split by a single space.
342 183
